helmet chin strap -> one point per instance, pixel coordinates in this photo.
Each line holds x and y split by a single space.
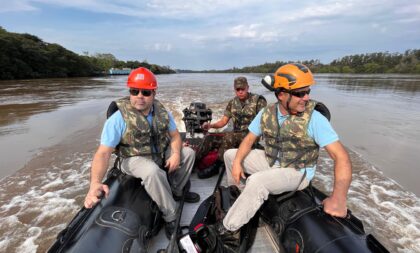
287 104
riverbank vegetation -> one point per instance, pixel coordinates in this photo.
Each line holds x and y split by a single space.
25 56
382 62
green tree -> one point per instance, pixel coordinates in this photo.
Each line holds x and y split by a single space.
27 56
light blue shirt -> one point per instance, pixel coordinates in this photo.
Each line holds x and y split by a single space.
115 127
319 128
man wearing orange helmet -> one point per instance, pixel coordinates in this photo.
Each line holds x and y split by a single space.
144 135
293 131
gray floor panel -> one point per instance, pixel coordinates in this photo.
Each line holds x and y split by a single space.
205 187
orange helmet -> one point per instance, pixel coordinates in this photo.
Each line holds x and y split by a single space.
142 78
289 77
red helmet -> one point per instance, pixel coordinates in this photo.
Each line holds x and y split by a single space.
142 78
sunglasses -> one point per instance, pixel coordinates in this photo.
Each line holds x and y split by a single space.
239 89
146 93
300 94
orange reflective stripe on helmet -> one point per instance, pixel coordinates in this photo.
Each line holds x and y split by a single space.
142 78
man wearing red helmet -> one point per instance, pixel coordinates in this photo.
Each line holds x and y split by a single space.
144 135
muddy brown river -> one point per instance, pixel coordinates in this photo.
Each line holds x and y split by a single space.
49 130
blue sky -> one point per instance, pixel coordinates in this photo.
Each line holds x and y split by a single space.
219 34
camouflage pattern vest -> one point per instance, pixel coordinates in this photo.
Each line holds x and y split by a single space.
140 137
243 114
289 144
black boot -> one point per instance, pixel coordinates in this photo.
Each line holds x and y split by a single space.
210 171
190 197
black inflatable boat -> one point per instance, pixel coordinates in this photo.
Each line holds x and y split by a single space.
299 225
128 218
123 222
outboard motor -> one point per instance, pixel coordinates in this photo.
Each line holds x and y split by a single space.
194 116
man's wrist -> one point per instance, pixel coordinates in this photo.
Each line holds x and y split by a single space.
237 162
342 198
95 183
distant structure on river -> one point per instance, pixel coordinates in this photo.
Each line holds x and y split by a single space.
115 71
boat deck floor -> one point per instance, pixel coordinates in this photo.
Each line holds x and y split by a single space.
205 187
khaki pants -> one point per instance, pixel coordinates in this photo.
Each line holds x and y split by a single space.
155 179
264 180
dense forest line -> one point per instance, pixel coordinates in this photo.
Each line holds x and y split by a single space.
25 56
407 63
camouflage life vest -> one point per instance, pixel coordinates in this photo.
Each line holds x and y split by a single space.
244 113
140 138
289 144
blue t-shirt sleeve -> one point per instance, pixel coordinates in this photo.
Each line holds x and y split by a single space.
255 126
113 130
321 130
172 124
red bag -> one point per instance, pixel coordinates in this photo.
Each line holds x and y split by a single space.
208 160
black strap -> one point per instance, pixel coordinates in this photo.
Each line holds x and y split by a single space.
173 243
112 108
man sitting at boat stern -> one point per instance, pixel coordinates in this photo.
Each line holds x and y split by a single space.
241 109
293 133
144 135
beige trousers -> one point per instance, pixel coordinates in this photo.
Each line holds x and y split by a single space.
264 180
157 183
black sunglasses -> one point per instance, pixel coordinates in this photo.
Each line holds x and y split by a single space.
300 94
239 89
146 93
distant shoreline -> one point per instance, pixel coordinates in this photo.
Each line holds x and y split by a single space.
25 56
371 63
192 72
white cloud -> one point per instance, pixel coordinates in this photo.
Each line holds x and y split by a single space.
16 6
216 28
379 27
319 10
197 8
151 8
196 37
161 47
120 7
268 36
245 31
408 14
275 11
409 10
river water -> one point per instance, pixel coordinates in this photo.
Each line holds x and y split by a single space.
49 130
